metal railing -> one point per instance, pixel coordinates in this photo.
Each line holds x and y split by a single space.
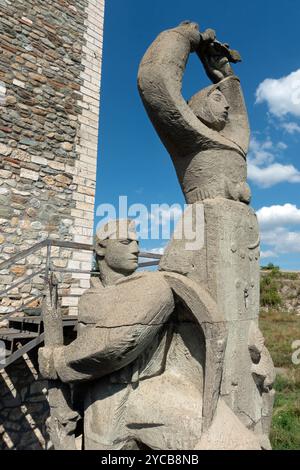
44 272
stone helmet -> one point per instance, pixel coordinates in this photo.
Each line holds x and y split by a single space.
116 229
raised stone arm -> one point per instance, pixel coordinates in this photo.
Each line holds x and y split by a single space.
160 83
208 137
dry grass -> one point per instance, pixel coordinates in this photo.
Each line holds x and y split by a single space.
281 329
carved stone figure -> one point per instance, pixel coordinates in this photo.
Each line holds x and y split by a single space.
208 137
121 340
208 140
150 352
174 359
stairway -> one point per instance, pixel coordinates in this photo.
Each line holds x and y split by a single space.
24 334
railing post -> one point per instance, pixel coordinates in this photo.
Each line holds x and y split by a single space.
48 261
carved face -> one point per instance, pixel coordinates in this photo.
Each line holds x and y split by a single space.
122 255
219 108
211 107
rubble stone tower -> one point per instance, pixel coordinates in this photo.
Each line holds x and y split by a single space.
50 73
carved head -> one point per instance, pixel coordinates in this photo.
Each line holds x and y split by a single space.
211 107
117 247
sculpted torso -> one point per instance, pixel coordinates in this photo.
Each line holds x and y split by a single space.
138 402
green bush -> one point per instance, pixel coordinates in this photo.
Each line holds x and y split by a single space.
270 267
269 293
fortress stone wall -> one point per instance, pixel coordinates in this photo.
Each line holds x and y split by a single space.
50 74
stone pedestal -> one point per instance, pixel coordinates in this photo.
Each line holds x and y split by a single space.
227 265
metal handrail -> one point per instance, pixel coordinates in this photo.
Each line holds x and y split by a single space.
148 264
23 254
62 244
17 284
48 243
150 255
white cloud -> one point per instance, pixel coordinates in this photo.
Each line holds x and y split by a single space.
273 174
291 127
277 216
281 240
268 254
159 251
281 95
276 235
262 169
282 145
156 251
261 152
163 214
283 99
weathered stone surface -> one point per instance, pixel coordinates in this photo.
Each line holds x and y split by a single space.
60 263
67 146
37 77
187 369
4 150
43 64
42 71
224 258
4 191
20 155
31 212
18 270
5 174
64 180
29 174
153 362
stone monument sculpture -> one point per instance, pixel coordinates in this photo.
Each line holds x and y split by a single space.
207 139
174 359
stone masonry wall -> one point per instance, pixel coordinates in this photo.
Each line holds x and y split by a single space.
50 72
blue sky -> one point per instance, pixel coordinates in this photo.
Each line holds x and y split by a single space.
132 160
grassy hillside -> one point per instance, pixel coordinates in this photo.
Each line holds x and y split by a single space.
280 323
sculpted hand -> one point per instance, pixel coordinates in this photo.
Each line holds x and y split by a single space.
46 363
216 58
216 64
209 35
